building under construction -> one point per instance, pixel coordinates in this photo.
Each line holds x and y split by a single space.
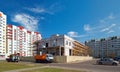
61 45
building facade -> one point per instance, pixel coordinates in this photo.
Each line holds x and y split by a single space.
2 34
105 47
20 40
62 45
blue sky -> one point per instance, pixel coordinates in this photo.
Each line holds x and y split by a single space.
81 19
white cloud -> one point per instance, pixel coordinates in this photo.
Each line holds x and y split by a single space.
102 21
108 28
87 27
37 10
49 10
111 31
108 18
111 16
75 34
72 34
105 29
29 22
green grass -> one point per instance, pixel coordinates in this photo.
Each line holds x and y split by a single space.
52 70
5 66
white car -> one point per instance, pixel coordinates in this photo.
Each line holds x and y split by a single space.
107 61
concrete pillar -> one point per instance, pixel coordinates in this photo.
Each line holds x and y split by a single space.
60 50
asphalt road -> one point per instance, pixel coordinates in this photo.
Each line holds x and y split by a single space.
89 66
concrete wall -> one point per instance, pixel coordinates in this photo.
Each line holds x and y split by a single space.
62 59
29 59
2 57
78 58
69 59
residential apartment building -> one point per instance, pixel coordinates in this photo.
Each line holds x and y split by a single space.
62 45
2 34
20 40
105 47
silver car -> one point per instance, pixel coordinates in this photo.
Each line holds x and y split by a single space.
107 61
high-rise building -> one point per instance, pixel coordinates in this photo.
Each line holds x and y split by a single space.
105 47
19 40
15 39
2 34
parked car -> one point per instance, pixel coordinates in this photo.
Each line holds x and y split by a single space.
13 58
107 61
117 59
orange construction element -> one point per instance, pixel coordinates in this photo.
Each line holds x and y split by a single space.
40 57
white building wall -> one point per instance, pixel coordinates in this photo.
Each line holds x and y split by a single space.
106 46
13 44
21 41
3 34
14 39
24 42
29 51
58 40
35 36
68 44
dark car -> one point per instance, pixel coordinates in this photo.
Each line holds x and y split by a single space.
13 58
107 61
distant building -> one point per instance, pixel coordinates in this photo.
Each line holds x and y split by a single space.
105 47
62 45
20 40
2 34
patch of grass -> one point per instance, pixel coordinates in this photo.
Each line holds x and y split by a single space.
5 66
52 70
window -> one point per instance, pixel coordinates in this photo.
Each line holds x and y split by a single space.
69 43
112 45
66 42
46 44
54 42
